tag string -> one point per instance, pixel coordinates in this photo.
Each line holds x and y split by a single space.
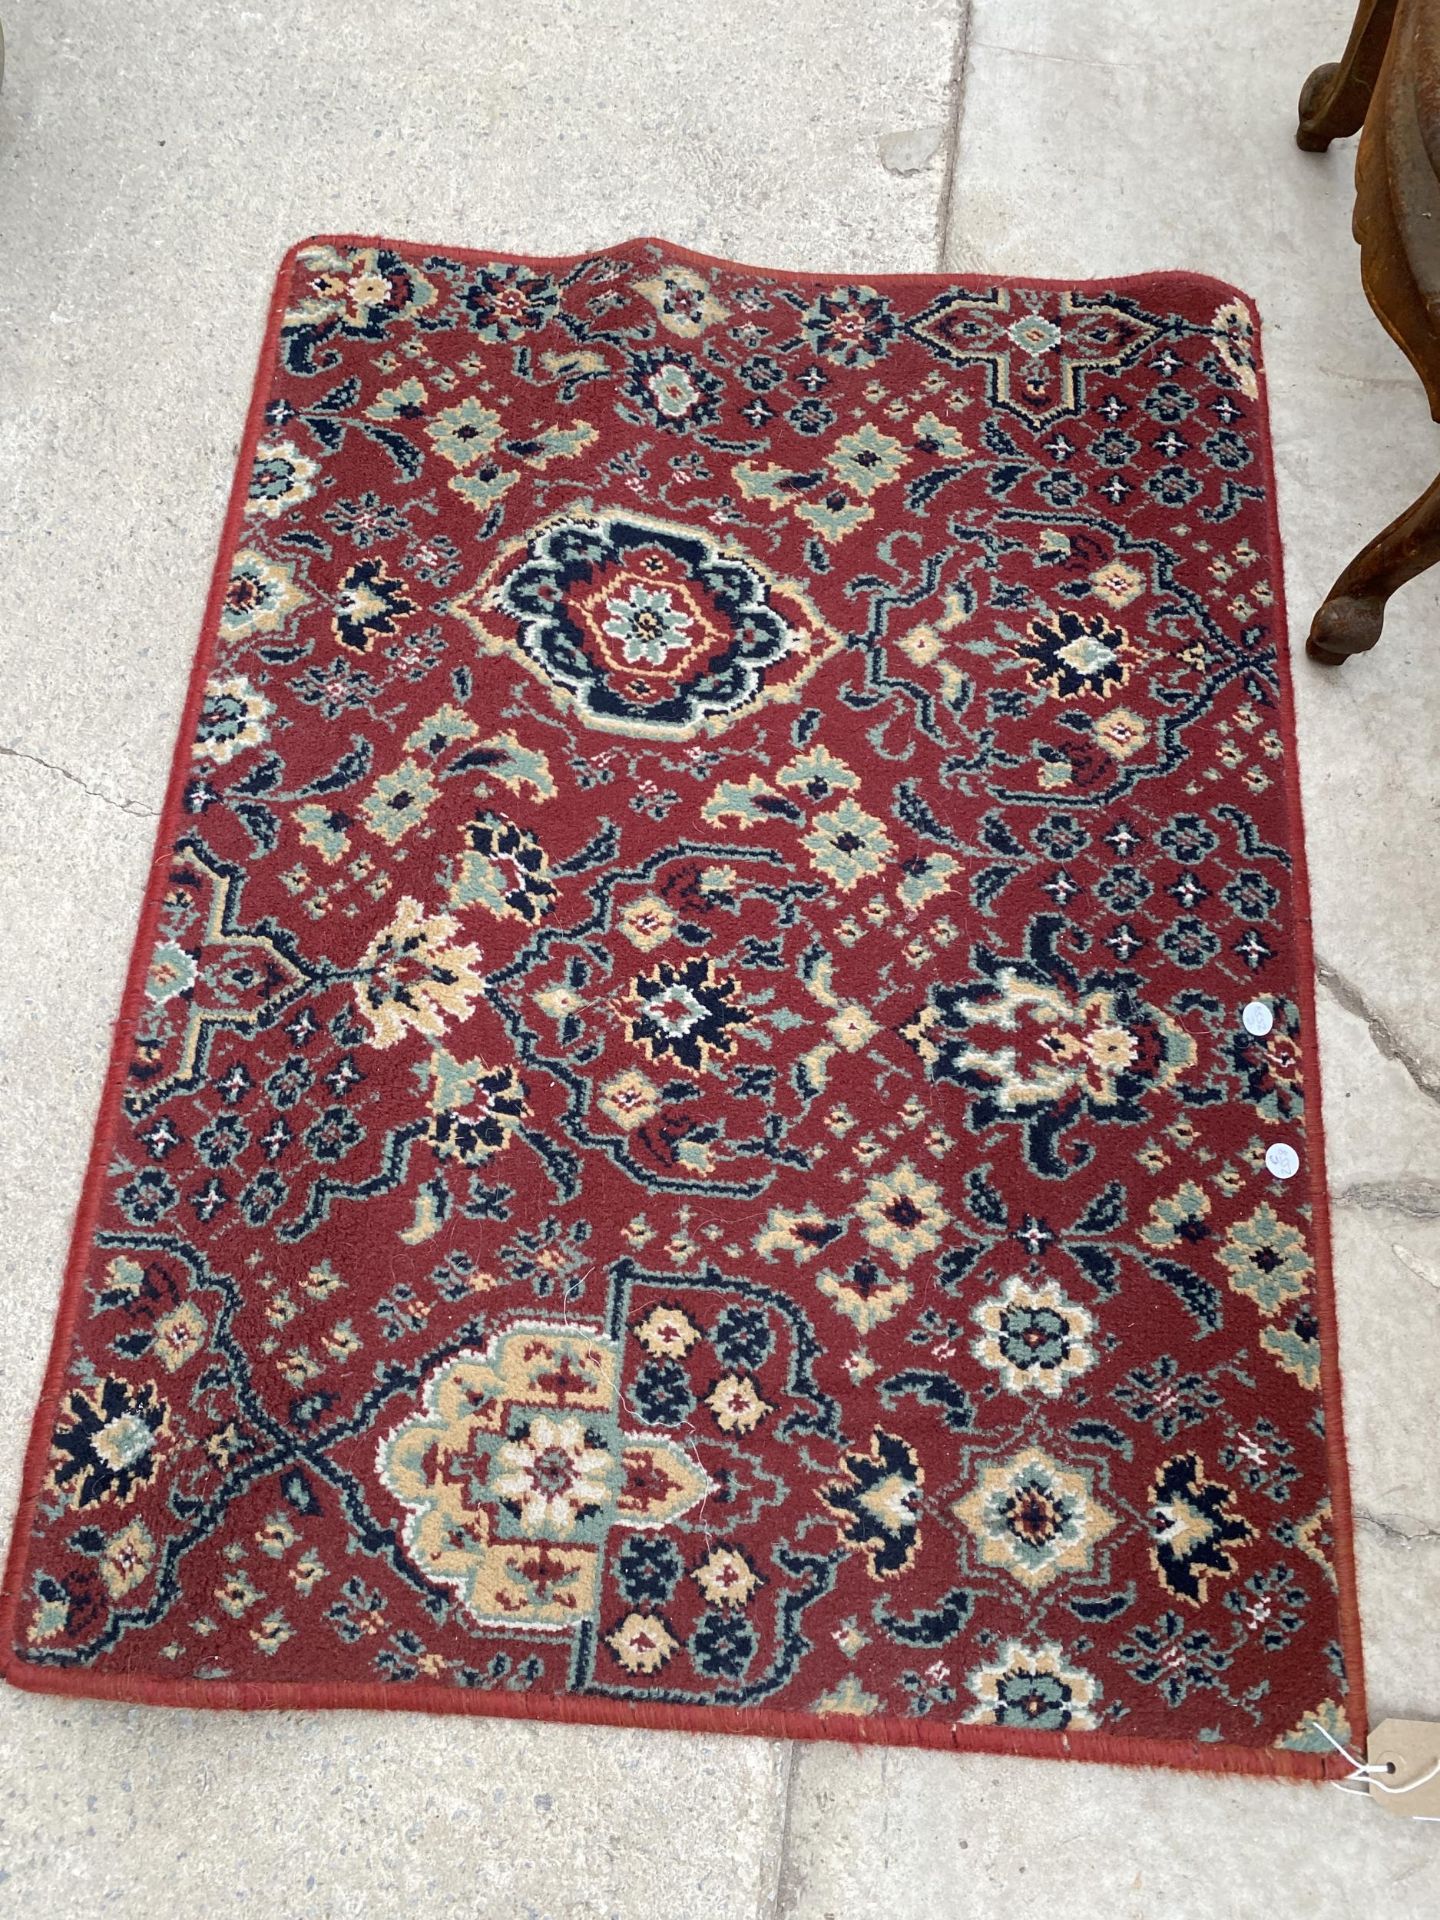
1367 1770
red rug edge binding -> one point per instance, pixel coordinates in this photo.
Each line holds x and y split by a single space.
765 1723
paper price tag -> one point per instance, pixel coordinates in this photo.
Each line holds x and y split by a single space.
1412 1749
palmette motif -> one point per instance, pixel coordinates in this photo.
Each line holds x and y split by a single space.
689 1138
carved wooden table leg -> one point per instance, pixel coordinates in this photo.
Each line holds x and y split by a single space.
1336 97
1351 618
1388 86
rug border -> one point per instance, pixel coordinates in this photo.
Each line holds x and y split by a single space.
769 1723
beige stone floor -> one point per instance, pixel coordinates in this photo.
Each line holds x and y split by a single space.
155 158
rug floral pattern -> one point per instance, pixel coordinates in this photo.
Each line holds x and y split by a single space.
692 1137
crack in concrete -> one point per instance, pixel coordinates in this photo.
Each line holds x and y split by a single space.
781 1900
1059 59
1367 379
1417 1199
1392 1530
1412 1263
951 143
1388 1043
131 807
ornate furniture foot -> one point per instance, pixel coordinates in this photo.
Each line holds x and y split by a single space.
1388 85
1336 97
1354 610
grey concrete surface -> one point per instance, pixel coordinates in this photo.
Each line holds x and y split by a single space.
156 156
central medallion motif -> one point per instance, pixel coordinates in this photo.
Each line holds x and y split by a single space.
513 1470
646 628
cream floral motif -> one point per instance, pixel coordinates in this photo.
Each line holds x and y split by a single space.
417 975
1035 1687
554 1476
260 596
1035 1045
682 300
901 1215
1036 1339
1034 1518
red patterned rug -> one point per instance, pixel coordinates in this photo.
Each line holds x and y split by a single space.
715 1121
